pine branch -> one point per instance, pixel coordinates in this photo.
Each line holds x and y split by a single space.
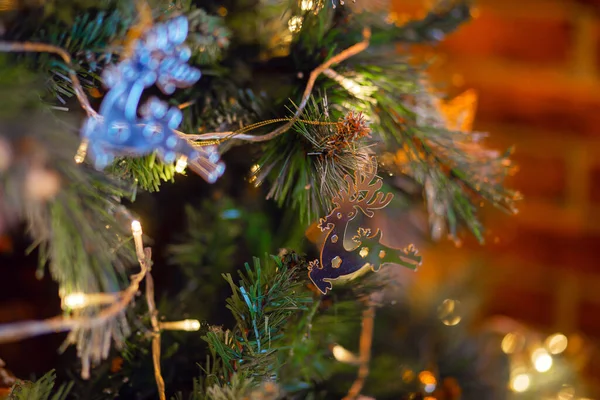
454 168
87 34
262 303
75 219
146 172
306 172
209 38
40 390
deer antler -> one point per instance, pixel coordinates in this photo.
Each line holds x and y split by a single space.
367 181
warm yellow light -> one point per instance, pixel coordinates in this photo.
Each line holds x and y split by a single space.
306 5
136 227
428 380
181 164
189 325
448 312
520 383
557 343
74 300
356 89
295 24
511 343
81 152
254 170
542 361
343 355
566 393
408 376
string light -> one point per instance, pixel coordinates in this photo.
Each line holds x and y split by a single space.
557 343
74 300
566 393
344 356
428 380
542 361
189 325
307 5
253 177
295 24
78 300
520 383
512 343
448 312
136 229
81 152
181 164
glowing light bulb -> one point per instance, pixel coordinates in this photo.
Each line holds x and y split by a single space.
448 312
542 361
136 227
557 343
189 325
520 383
307 5
343 355
295 24
428 380
181 164
512 343
81 152
567 392
74 300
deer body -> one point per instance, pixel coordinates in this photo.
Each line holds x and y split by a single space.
336 260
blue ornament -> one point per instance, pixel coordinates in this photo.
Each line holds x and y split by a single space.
124 128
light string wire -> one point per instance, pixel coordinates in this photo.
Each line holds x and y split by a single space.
239 134
205 139
25 329
16 331
29 47
365 343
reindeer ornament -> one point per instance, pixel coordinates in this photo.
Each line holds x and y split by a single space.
367 251
124 128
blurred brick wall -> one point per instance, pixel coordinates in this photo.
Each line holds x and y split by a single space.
536 67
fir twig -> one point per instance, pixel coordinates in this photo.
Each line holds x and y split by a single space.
47 48
308 172
40 389
264 301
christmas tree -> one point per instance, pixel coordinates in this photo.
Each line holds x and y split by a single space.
295 139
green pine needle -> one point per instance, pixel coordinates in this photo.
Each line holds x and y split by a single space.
40 390
147 172
301 168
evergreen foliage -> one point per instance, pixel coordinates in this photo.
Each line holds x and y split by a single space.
276 340
40 390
